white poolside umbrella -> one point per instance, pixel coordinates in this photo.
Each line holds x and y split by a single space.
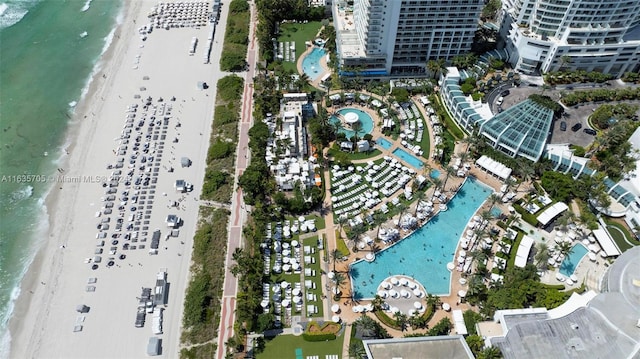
286 303
294 243
417 292
394 310
417 305
331 275
386 285
394 281
336 318
412 285
404 282
295 266
462 293
383 294
335 308
446 307
405 293
295 291
284 285
297 299
286 267
393 293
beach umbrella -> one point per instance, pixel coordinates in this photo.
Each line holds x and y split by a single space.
394 281
295 266
412 285
393 293
286 267
462 293
417 305
331 275
295 291
417 292
462 281
336 319
394 310
385 285
285 259
294 243
592 256
383 294
335 308
405 293
450 266
264 303
404 282
297 299
446 307
284 285
286 303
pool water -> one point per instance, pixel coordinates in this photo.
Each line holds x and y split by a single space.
571 261
496 212
425 253
434 174
365 121
384 143
311 63
410 159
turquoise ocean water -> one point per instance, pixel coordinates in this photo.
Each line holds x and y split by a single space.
46 62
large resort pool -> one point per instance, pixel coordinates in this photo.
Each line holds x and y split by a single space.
311 63
425 253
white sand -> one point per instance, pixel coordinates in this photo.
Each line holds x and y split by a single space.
45 315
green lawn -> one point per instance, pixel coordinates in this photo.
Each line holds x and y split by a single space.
620 235
355 155
300 33
284 347
313 241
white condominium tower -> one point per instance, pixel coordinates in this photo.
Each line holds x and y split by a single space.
591 35
398 37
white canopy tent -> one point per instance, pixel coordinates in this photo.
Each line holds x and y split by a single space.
552 212
458 322
494 167
606 242
523 251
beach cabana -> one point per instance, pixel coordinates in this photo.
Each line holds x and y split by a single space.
523 251
552 212
606 242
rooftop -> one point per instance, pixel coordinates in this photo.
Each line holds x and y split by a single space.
450 347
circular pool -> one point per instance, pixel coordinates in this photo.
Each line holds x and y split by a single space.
365 121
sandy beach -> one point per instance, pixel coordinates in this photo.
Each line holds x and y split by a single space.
61 277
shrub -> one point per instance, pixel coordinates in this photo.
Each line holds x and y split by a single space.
230 87
323 337
219 149
526 216
225 114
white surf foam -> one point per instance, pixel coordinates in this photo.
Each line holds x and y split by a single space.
11 14
86 6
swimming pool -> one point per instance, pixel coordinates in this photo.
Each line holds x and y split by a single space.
311 63
405 156
424 254
365 121
384 143
434 174
571 261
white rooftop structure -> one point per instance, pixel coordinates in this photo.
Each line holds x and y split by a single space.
458 322
606 242
552 212
494 167
523 251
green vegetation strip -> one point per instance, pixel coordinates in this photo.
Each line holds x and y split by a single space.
623 238
284 346
202 299
236 39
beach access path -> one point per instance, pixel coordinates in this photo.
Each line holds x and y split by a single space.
238 209
132 70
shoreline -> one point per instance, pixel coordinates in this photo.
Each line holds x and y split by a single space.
53 201
43 319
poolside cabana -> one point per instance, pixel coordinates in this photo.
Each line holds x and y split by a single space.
552 212
606 242
494 167
458 322
523 251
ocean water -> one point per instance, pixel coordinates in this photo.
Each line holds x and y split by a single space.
46 63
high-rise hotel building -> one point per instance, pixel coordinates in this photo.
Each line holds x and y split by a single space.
398 37
591 35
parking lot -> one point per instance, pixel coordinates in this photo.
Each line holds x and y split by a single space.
571 117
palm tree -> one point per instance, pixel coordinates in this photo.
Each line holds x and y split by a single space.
490 353
526 172
341 222
433 300
377 302
420 196
400 208
449 171
493 198
339 279
436 67
356 127
378 220
542 255
356 350
336 256
564 248
437 182
401 321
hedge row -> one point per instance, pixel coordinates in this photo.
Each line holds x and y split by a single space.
526 216
321 337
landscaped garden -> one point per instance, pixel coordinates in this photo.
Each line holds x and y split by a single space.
289 346
298 33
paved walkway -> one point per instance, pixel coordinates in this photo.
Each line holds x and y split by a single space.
238 208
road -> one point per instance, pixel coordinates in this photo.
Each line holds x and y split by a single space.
239 210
